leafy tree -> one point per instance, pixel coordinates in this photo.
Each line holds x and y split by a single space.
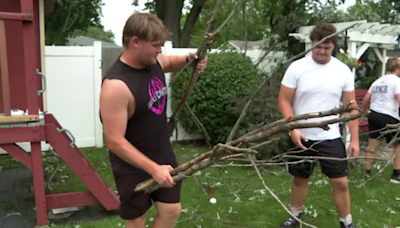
69 16
384 11
170 12
261 19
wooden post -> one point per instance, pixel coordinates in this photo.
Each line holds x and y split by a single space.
4 70
30 42
38 184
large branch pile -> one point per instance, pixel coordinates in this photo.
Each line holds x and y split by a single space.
221 152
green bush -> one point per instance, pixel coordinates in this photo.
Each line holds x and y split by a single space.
219 95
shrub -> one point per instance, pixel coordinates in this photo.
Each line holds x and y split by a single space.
219 95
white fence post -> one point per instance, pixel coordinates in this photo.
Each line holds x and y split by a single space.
97 74
167 51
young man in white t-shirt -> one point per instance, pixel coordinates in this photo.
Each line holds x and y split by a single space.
383 97
315 83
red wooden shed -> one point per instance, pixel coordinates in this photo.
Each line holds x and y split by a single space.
21 61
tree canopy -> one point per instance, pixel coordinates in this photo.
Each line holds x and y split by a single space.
69 17
262 19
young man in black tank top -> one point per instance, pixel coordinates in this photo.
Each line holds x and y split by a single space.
133 105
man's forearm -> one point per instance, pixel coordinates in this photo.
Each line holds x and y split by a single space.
132 155
176 63
365 105
286 109
354 128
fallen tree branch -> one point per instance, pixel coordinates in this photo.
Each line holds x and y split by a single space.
276 197
199 124
207 159
335 111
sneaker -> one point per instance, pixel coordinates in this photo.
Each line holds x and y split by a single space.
395 179
344 226
291 223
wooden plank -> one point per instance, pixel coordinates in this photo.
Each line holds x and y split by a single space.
4 70
77 162
16 16
18 119
42 53
30 44
22 134
18 153
38 184
73 199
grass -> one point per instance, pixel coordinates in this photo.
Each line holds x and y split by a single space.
241 199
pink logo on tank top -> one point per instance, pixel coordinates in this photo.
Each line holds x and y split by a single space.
157 94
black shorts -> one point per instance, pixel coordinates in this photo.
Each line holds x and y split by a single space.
135 204
331 168
376 122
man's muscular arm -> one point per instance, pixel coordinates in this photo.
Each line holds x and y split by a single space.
285 99
174 63
353 125
114 101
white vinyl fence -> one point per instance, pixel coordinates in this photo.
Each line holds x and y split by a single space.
73 91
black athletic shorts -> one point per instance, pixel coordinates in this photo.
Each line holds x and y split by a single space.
377 121
135 204
329 148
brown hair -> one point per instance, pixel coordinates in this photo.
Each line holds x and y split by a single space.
146 26
322 30
392 64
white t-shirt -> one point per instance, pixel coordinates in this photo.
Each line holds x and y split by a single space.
319 87
383 98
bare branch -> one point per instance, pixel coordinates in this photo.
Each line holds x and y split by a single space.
201 52
322 41
199 124
276 197
261 59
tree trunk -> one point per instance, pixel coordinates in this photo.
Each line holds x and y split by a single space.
170 14
190 22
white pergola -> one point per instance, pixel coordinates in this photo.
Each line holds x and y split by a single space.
380 37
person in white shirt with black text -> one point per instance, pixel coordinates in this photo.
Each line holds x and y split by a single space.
314 83
383 97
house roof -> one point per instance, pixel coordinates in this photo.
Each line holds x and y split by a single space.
241 44
87 41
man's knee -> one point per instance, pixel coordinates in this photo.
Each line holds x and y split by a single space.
137 222
340 184
300 181
168 210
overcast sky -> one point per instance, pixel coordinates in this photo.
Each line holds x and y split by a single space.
116 12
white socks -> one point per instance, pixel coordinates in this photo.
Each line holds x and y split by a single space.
295 211
347 221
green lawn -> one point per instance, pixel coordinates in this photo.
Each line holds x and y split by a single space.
242 200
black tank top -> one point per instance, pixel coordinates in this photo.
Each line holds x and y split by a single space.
147 129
